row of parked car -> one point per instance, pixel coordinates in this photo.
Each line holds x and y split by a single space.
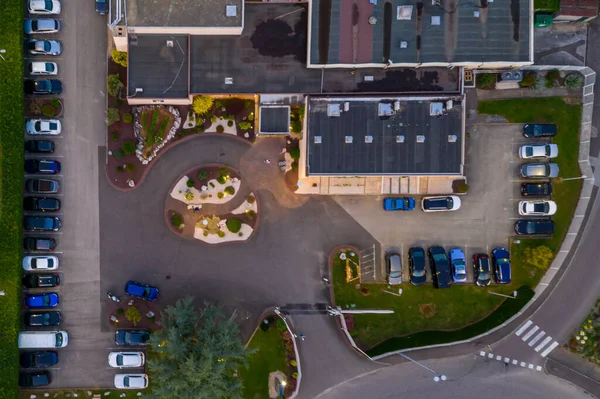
449 268
428 204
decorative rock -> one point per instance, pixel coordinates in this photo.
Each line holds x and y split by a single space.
67 395
32 396
130 303
139 394
150 314
89 393
75 395
46 394
122 395
246 135
106 393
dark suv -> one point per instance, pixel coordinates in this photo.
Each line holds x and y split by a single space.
416 265
481 269
42 223
536 189
40 280
539 130
39 244
501 265
534 227
41 204
440 268
42 319
36 360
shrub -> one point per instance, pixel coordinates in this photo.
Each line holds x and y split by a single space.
115 136
201 104
229 190
295 375
128 147
251 117
133 315
251 214
230 123
296 126
293 363
127 118
213 119
120 311
114 84
463 188
264 326
240 234
120 169
211 184
190 183
112 116
540 82
234 225
574 81
220 129
281 325
119 57
538 257
130 167
221 234
202 174
553 75
549 83
295 165
220 195
205 233
161 129
486 80
245 125
48 110
118 153
218 104
189 196
528 80
55 102
295 153
117 102
247 104
176 220
251 199
222 175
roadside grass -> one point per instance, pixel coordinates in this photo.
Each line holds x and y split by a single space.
565 193
546 5
11 190
82 393
270 356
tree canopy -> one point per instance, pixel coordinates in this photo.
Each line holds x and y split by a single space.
196 354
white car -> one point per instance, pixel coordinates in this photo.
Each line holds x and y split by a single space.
440 204
538 151
43 68
45 7
46 127
537 208
40 263
126 359
131 381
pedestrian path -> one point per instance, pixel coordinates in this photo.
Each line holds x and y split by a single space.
536 338
508 361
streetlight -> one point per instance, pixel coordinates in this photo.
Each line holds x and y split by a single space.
2 51
282 385
575 178
514 295
437 376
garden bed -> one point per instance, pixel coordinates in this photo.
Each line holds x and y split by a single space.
43 107
122 314
584 341
211 184
233 115
154 126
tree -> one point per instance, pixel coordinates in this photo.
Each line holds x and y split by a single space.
119 57
133 315
114 84
197 352
538 257
202 104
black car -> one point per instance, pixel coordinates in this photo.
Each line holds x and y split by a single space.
35 379
42 186
42 319
481 269
40 280
416 265
539 130
41 223
39 146
534 227
132 337
440 268
43 166
38 360
43 86
101 7
41 204
536 189
39 244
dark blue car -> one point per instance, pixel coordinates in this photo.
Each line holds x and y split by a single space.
501 265
41 301
140 290
399 204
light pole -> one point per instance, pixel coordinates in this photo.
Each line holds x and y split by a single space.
575 178
2 51
436 378
282 385
513 296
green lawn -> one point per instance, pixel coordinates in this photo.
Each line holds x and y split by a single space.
11 190
566 194
546 5
270 356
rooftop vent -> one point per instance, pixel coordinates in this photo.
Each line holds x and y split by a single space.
368 139
436 109
436 20
452 138
317 139
404 13
372 20
513 76
228 81
368 78
348 140
385 109
346 106
399 139
476 14
334 110
403 44
231 11
420 139
169 43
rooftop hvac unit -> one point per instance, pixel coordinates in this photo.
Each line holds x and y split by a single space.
368 139
317 139
436 20
396 106
169 43
368 78
385 109
228 81
404 13
452 138
403 44
436 109
399 139
346 106
512 76
348 139
420 139
334 110
231 11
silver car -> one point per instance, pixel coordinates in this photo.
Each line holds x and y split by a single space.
538 170
43 47
538 151
126 359
394 268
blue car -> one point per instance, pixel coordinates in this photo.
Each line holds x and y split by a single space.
146 292
501 265
399 204
458 263
41 301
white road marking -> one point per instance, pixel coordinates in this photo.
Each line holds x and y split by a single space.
515 361
491 355
531 366
537 338
543 343
506 360
549 349
523 328
523 364
482 353
538 368
498 357
530 333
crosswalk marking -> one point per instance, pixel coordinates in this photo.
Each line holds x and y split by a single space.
523 364
543 343
538 368
498 357
549 349
515 361
507 361
482 353
523 328
530 333
531 366
537 338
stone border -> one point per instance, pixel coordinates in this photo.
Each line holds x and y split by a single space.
167 216
293 336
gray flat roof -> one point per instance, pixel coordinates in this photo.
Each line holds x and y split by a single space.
274 119
394 149
160 70
463 32
182 13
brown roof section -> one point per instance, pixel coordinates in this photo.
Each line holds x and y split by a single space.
356 34
580 8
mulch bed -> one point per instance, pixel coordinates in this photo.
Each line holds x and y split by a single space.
143 306
35 107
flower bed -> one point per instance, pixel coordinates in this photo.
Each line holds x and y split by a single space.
154 126
210 185
43 107
584 341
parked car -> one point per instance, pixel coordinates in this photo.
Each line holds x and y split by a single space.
537 208
40 262
538 151
40 280
393 264
399 204
534 227
126 359
42 223
538 170
132 337
416 265
539 130
43 68
458 263
39 359
440 269
43 86
481 269
536 189
41 26
45 127
42 186
41 204
501 265
43 47
42 166
39 146
43 7
35 379
101 7
439 204
131 381
39 244
41 301
143 291
42 319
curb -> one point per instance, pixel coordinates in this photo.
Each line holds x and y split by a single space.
293 336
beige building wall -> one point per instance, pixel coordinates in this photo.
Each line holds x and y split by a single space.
158 101
186 30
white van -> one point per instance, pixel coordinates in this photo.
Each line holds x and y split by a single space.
43 339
